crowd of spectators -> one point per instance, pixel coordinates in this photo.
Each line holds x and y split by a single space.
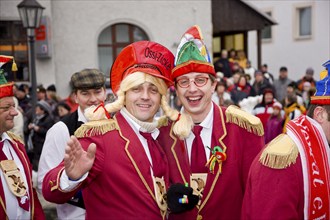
255 90
33 126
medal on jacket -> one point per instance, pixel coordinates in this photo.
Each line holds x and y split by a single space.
198 182
160 192
13 177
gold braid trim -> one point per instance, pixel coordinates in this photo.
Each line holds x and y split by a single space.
280 153
245 120
95 128
15 137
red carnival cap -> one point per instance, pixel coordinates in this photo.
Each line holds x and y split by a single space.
144 56
6 89
192 54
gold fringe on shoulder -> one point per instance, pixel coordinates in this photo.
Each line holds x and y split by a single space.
245 120
95 128
280 153
162 121
15 137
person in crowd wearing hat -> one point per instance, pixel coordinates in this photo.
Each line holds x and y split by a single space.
269 76
118 164
291 90
51 93
30 118
260 83
88 86
52 98
24 100
307 78
274 124
41 93
215 155
264 109
18 198
282 83
37 130
290 178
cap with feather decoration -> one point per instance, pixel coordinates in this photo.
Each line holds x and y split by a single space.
6 89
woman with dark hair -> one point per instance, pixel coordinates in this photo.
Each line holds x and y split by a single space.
241 90
62 109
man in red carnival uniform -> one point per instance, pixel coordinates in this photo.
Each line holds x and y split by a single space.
214 163
18 198
290 179
117 162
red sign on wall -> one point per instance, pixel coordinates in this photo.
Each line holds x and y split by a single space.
41 32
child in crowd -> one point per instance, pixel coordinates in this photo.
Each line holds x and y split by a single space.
274 124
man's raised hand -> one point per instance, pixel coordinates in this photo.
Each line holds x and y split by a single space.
77 161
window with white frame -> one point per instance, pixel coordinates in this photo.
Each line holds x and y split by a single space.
113 39
266 33
303 24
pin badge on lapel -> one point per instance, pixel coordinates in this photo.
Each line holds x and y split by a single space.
218 155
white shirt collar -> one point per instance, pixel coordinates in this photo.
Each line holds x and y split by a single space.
81 116
5 136
207 122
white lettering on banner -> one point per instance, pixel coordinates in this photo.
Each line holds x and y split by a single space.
321 217
315 181
315 169
317 203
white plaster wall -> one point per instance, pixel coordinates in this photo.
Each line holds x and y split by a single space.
283 49
76 24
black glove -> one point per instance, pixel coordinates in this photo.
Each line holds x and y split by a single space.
176 192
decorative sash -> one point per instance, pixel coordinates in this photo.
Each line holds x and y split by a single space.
315 158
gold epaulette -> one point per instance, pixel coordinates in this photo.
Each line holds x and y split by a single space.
162 121
280 153
15 137
245 120
95 128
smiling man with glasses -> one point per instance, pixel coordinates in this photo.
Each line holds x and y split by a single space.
213 160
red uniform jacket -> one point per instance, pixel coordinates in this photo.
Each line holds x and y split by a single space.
119 185
35 206
275 187
223 193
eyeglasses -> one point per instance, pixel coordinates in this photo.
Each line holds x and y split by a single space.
198 81
7 108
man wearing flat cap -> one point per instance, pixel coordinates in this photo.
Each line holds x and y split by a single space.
18 198
117 161
290 178
88 86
